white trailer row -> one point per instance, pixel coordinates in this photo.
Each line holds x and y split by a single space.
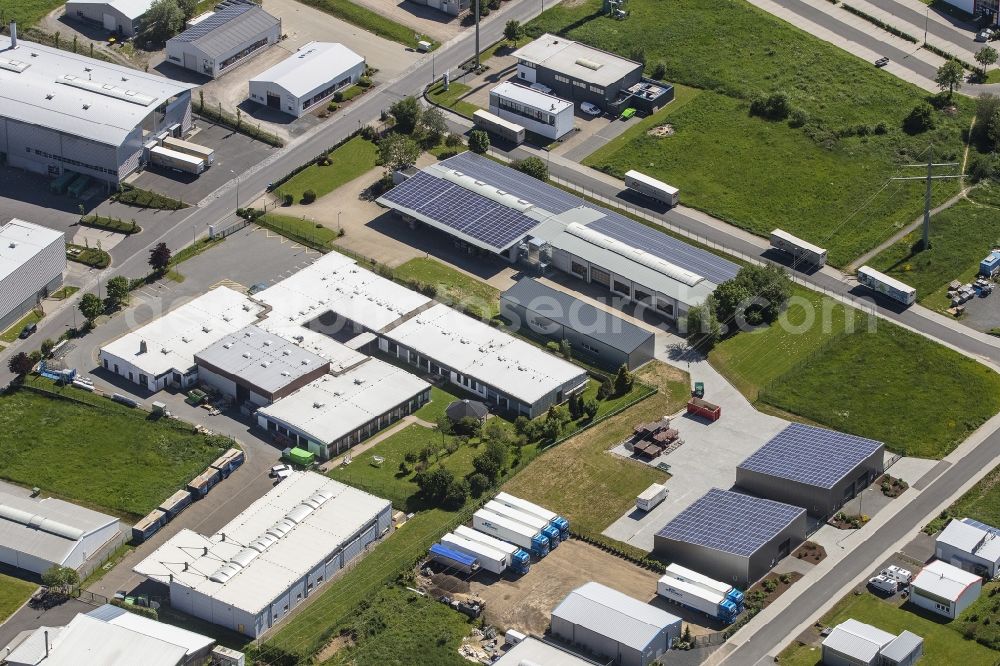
534 522
517 558
188 148
501 527
490 559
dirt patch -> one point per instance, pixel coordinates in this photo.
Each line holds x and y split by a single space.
333 647
770 588
891 486
661 131
527 602
810 552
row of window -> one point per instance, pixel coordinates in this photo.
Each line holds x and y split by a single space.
579 84
242 54
76 163
326 93
526 111
603 277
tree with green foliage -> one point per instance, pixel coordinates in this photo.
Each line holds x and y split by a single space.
434 484
479 141
117 288
575 404
159 258
986 56
433 125
623 380
493 460
703 326
551 428
729 297
456 494
950 76
20 364
60 579
993 129
590 408
920 119
533 166
478 484
188 8
513 31
162 20
398 151
756 296
407 112
495 430
606 388
566 349
91 307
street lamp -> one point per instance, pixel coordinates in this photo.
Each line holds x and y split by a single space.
338 220
237 187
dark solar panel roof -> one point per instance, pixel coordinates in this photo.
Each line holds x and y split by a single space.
231 26
815 456
577 315
472 214
733 523
982 526
710 266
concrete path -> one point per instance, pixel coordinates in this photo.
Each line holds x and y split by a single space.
356 451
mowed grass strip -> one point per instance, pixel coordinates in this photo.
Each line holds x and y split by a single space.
435 409
581 480
748 170
981 502
452 285
366 19
943 644
452 98
348 162
101 455
13 593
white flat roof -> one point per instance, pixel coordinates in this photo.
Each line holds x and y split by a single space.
48 528
21 241
962 536
944 580
133 9
478 350
167 633
536 99
576 60
533 651
332 406
296 525
174 339
314 65
81 96
335 283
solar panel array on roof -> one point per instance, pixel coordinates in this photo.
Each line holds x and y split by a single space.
982 526
811 455
217 19
464 211
731 522
510 180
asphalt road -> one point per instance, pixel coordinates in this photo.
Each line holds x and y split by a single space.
964 39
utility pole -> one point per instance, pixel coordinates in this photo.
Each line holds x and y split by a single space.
477 35
931 164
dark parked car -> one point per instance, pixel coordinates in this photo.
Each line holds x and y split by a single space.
882 62
28 330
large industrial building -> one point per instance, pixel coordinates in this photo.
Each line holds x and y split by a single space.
308 77
236 32
581 73
32 261
815 468
614 625
501 211
161 353
450 7
37 534
945 589
534 110
595 335
62 111
534 651
853 643
732 537
970 545
280 550
121 16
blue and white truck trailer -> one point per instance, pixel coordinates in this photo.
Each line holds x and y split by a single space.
518 560
533 509
533 522
689 588
450 557
490 559
506 529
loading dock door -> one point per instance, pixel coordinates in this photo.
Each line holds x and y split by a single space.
110 22
190 61
274 101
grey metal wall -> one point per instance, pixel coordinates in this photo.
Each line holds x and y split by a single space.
726 567
762 561
580 94
595 643
95 11
967 561
78 154
42 274
834 658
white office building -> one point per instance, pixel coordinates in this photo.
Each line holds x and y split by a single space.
37 534
945 589
307 78
121 16
232 35
162 352
254 571
853 643
32 261
62 111
970 545
536 111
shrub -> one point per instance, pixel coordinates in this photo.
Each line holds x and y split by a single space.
775 106
920 119
287 199
798 118
365 82
331 107
659 71
338 96
453 140
479 141
308 197
881 128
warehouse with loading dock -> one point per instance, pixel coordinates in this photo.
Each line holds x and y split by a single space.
32 261
254 571
815 468
64 113
233 34
307 78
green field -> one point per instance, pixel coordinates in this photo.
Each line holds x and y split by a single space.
304 231
27 12
433 410
348 162
731 51
369 20
978 620
452 98
13 593
981 502
960 237
400 627
452 286
943 643
103 455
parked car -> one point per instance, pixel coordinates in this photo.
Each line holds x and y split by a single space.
256 288
882 62
627 113
590 109
984 35
29 329
541 87
280 471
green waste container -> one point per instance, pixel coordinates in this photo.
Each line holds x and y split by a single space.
301 457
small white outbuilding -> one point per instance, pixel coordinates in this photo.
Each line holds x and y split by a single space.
308 77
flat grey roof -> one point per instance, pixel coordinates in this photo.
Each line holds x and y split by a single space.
227 29
608 612
902 646
576 60
578 315
261 358
48 528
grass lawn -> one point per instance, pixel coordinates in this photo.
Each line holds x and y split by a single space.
731 50
369 20
297 229
977 620
13 593
348 162
453 286
452 98
981 502
10 335
28 12
433 410
580 480
88 256
400 627
64 292
960 237
98 453
943 644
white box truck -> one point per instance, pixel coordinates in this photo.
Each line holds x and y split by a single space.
651 497
533 522
173 159
517 559
518 534
490 559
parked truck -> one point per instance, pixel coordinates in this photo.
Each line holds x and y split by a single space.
504 528
679 572
518 560
704 408
173 159
696 597
533 509
651 497
189 148
490 559
534 522
454 559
